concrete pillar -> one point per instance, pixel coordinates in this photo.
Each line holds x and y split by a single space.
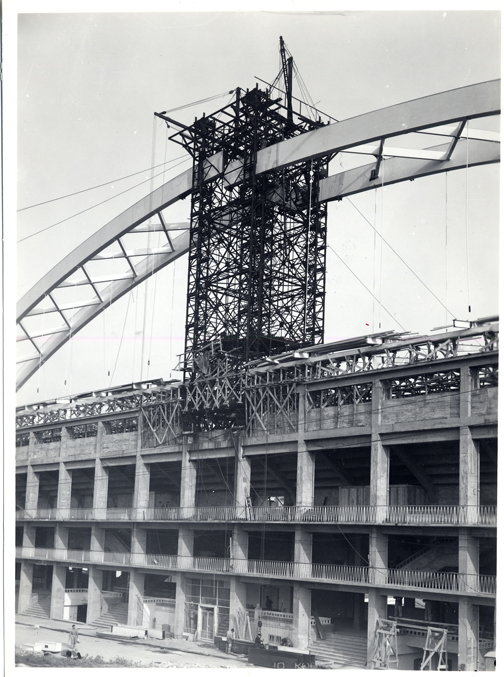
239 543
97 543
468 561
303 541
187 479
302 616
135 598
32 490
61 541
100 489
142 483
28 540
180 597
468 631
237 604
359 606
25 586
242 478
64 492
468 382
377 608
469 467
378 557
138 546
95 584
305 478
58 590
185 542
380 458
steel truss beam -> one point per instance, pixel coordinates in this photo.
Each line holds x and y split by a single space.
440 114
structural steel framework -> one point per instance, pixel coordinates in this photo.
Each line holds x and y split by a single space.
257 241
88 280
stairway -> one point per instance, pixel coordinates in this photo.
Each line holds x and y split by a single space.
343 650
116 615
431 558
40 606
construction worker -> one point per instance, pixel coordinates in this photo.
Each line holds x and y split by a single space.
229 640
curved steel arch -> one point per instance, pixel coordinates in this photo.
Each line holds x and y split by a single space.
444 114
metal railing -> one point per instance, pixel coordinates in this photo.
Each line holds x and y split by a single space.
159 600
394 578
443 514
455 515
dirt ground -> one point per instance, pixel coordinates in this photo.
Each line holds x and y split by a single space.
147 656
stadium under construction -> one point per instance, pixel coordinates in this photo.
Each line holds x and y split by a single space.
340 497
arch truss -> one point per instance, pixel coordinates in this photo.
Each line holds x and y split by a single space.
426 136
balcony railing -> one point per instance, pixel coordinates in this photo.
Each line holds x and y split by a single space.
393 578
443 514
419 515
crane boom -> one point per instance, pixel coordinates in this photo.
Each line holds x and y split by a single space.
287 73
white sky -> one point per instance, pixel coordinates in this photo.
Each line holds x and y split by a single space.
88 85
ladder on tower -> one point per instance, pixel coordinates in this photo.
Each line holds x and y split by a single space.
384 651
435 645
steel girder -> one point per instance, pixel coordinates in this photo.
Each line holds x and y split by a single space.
445 115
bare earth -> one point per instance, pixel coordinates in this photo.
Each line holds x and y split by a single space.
148 656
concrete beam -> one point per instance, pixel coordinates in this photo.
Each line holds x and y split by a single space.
467 153
472 101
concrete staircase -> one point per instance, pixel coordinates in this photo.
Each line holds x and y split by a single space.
432 558
343 650
116 615
40 606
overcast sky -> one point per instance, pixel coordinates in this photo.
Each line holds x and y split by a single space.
88 85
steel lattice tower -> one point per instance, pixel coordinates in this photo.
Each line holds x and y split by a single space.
256 281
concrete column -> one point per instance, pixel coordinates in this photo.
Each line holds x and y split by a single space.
359 606
303 541
237 603
180 597
468 561
468 382
138 546
468 630
28 540
97 543
65 437
25 586
95 584
58 590
142 483
64 492
100 489
187 479
469 467
185 542
61 541
305 480
302 616
377 608
135 598
378 556
380 458
32 489
242 478
239 543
